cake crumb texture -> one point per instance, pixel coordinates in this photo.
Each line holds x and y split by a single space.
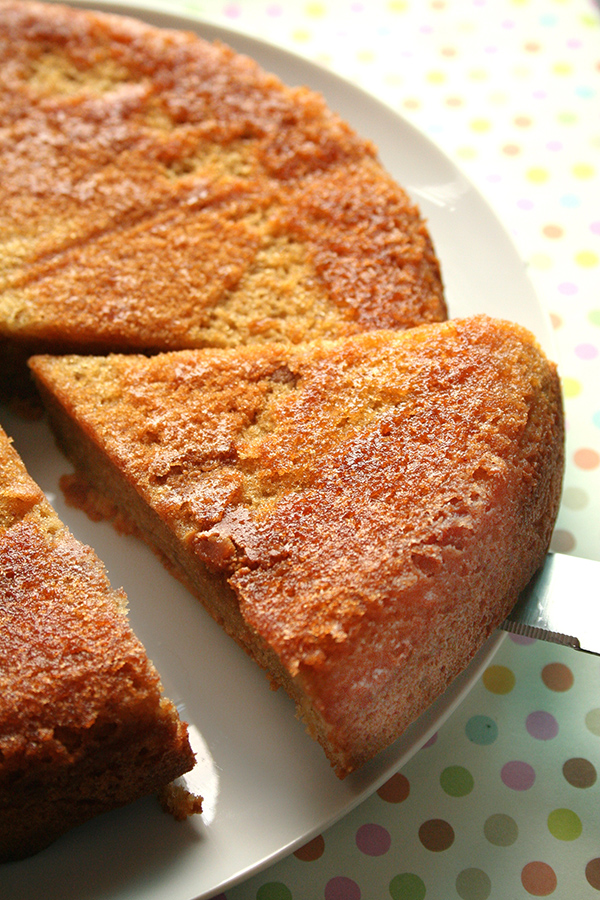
358 514
160 192
84 726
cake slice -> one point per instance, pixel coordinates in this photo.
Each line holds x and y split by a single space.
84 727
359 515
158 191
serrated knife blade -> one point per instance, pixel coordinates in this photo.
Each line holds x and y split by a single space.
561 604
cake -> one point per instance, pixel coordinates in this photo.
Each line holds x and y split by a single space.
358 514
84 727
159 192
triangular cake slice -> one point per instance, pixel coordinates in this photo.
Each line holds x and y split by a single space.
359 515
207 203
84 727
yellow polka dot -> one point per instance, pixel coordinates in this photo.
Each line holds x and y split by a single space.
583 170
315 10
397 6
466 152
436 77
586 258
571 387
498 97
365 56
480 125
478 74
301 35
541 261
393 79
499 679
562 68
537 175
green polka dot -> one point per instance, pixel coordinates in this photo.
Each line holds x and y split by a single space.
594 317
592 721
566 118
274 890
501 830
564 824
481 730
407 887
473 884
575 498
571 387
537 175
456 781
478 74
499 679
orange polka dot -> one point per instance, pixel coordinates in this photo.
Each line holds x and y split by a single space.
557 677
532 47
523 121
396 789
454 101
511 149
556 320
587 459
552 231
311 851
539 879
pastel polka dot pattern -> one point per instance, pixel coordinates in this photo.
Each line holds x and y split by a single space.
509 91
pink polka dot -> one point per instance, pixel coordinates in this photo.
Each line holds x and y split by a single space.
432 740
232 11
554 145
274 10
567 287
586 351
541 725
525 204
517 775
595 227
373 840
341 888
522 640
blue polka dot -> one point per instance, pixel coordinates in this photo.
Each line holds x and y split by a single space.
596 419
481 730
585 92
548 20
570 201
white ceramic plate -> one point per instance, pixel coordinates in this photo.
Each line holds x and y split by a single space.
268 788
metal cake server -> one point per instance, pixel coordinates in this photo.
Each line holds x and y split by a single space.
561 604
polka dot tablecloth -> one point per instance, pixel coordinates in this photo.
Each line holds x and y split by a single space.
504 802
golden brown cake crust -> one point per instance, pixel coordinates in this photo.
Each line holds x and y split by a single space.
160 192
83 725
359 514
